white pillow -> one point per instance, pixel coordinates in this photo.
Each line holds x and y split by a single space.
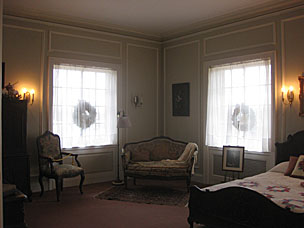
280 168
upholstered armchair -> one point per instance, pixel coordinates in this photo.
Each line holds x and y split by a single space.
50 158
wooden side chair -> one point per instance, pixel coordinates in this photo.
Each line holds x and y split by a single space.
50 158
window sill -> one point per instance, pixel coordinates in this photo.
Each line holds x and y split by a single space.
91 149
218 149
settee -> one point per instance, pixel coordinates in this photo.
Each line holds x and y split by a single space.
159 158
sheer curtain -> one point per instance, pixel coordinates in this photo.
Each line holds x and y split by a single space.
84 105
239 105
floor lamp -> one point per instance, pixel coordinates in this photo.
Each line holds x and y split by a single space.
122 122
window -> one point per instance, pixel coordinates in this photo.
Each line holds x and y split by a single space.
84 105
239 105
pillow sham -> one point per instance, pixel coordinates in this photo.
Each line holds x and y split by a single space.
291 165
298 171
280 168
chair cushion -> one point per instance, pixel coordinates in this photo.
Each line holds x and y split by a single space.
50 146
67 170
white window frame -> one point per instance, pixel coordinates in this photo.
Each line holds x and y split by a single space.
207 65
53 61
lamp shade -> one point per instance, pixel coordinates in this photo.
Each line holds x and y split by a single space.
123 122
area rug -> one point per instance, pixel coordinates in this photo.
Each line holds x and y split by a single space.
146 194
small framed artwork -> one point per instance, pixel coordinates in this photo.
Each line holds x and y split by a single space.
180 99
233 158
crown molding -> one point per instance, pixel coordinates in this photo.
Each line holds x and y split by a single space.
80 23
231 18
193 29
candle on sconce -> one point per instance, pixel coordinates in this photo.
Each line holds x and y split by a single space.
32 92
24 91
283 90
290 88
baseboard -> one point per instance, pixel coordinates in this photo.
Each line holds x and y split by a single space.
90 178
197 178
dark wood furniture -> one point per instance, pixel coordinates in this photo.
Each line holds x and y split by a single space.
15 160
13 210
240 207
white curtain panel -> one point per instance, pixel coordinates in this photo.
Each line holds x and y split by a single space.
84 105
239 105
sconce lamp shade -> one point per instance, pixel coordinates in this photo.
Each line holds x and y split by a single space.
123 122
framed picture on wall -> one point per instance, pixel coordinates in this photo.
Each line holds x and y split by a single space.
233 158
180 99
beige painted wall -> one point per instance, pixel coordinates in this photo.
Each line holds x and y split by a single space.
28 47
292 30
278 35
148 70
142 67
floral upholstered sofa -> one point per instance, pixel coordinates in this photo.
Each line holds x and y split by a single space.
159 158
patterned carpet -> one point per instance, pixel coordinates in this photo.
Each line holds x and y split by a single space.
147 194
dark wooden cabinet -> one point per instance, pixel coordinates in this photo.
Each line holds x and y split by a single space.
15 160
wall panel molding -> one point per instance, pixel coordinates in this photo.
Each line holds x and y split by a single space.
157 81
165 73
103 44
198 91
286 78
42 67
255 30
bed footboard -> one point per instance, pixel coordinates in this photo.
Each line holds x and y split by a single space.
238 207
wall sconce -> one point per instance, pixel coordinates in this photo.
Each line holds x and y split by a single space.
137 101
28 96
289 96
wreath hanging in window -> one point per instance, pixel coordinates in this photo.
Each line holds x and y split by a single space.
243 118
84 114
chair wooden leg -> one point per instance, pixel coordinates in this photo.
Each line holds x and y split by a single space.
81 182
41 185
61 186
58 187
126 181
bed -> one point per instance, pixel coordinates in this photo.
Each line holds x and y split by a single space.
267 200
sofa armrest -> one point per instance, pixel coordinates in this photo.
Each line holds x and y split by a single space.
125 157
192 161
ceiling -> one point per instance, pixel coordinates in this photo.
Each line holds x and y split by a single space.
154 18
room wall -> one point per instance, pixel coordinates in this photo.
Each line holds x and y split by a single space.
148 70
28 46
186 59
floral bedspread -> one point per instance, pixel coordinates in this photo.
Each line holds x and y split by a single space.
283 190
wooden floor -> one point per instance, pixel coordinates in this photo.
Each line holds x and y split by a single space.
76 210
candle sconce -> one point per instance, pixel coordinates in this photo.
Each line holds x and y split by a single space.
137 101
289 95
29 96
301 95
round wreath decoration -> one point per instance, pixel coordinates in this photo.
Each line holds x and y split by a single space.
243 118
84 114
